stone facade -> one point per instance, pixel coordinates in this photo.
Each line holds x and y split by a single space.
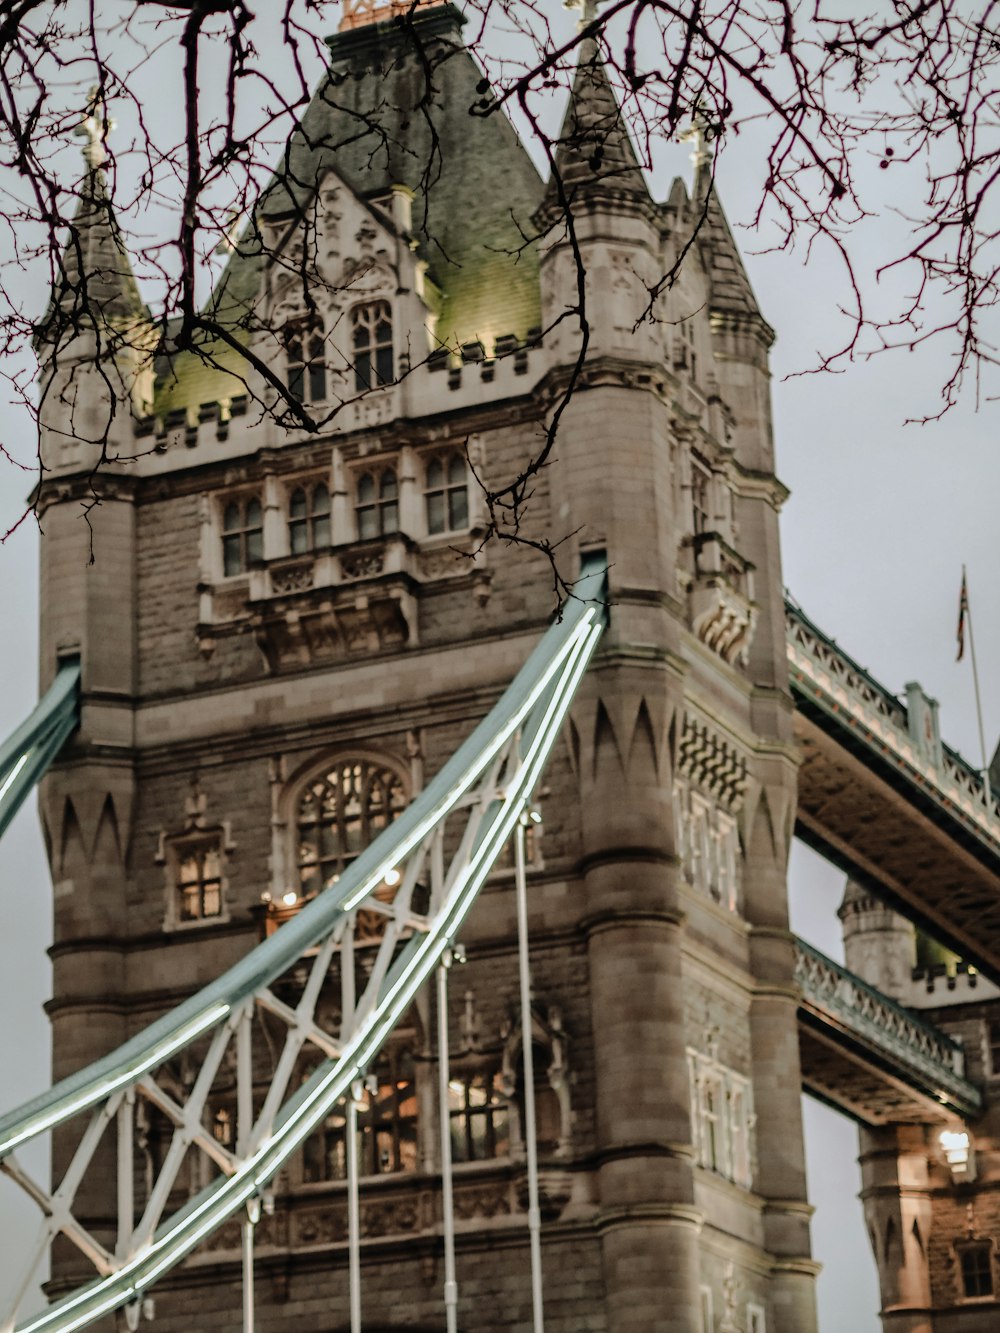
223 667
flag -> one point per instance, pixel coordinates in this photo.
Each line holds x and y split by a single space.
963 611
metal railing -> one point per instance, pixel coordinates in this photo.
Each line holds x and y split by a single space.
922 1054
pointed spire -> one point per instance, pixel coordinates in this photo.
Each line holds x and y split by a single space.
730 290
95 283
594 156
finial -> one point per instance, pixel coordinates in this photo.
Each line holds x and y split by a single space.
587 8
95 128
701 134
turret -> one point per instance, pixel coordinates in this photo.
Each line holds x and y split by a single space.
95 341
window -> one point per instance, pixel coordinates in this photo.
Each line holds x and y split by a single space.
705 1303
199 882
479 1120
701 480
378 504
309 519
339 814
242 536
305 353
447 494
371 340
976 1263
387 1128
222 1128
756 1322
721 1118
994 1038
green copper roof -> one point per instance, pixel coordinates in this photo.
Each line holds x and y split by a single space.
396 109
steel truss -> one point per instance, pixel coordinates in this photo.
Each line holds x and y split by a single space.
440 849
26 754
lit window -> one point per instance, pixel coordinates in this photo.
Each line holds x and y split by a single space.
447 494
340 812
309 519
305 353
199 883
371 340
378 504
242 536
479 1118
222 1128
976 1263
387 1128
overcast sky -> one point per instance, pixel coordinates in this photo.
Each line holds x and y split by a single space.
881 518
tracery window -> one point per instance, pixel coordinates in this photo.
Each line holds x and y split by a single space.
387 1127
242 535
446 494
305 355
309 518
339 813
378 504
199 881
371 341
975 1259
480 1124
721 1118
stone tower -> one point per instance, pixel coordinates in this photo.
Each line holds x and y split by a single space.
290 623
929 1194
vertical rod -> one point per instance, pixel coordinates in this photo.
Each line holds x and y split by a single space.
244 1080
354 1206
447 1197
534 1212
250 1219
979 706
126 1177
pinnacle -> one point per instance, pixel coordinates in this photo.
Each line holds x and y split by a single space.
96 273
594 151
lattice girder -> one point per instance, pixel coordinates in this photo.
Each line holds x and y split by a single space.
486 785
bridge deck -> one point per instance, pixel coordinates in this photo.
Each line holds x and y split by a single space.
880 796
872 1058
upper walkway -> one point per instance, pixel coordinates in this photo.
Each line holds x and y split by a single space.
881 796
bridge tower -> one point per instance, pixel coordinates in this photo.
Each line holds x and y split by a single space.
928 1193
289 625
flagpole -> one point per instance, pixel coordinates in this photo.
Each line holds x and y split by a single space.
987 793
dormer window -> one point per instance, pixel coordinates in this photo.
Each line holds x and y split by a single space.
242 535
309 519
378 504
371 341
305 352
447 494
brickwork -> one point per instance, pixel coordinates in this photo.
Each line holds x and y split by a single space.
235 688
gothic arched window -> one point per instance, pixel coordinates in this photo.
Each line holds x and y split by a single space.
371 343
242 535
387 1126
378 504
446 494
309 518
305 353
480 1121
340 811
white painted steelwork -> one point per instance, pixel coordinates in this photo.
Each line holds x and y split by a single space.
487 783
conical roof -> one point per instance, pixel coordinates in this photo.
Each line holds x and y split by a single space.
594 155
729 286
95 284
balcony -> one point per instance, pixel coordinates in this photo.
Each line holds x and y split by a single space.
356 600
720 596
